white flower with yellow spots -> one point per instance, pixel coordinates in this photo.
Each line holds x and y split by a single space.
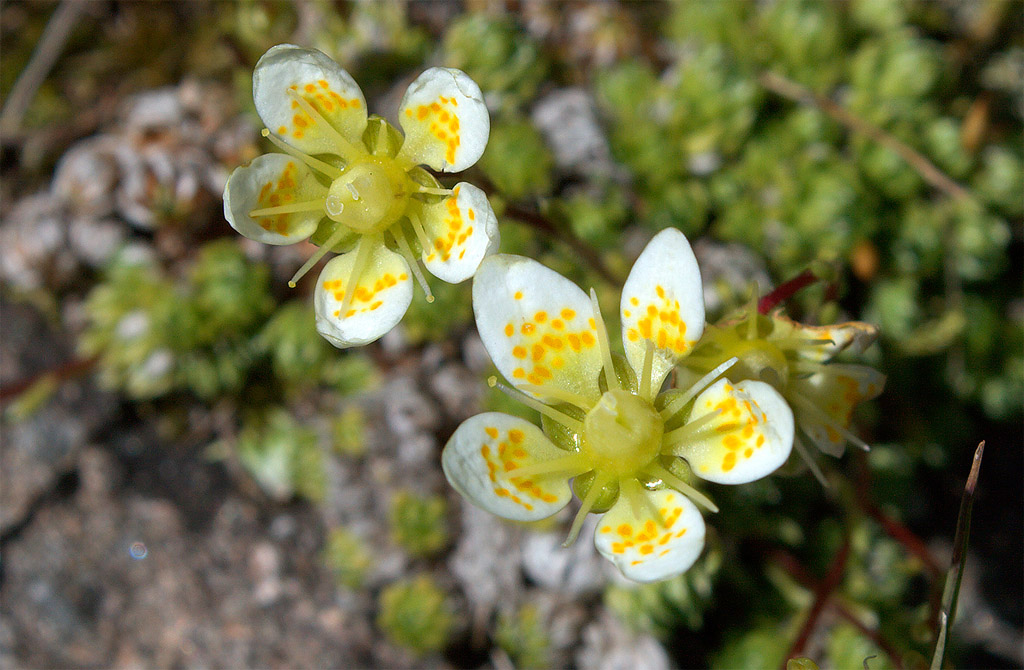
353 184
798 361
631 452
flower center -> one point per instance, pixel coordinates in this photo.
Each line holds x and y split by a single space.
369 196
622 434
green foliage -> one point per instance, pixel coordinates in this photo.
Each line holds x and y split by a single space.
523 637
284 457
435 321
762 647
517 161
498 55
348 557
416 614
155 335
418 524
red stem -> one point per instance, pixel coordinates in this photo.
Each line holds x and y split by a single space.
821 595
785 291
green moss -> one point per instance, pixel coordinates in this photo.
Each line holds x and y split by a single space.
282 456
517 160
415 613
348 557
418 524
523 636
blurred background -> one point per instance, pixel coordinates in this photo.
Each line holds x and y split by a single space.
192 477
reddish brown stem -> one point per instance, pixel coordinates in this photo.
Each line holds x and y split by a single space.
795 569
785 291
61 373
822 593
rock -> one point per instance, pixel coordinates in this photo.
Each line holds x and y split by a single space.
576 570
568 121
608 645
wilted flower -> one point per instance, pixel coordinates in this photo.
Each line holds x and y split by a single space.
798 361
632 450
353 185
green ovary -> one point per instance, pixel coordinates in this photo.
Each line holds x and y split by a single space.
621 435
370 195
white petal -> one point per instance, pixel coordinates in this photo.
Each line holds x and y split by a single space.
646 547
273 180
835 391
749 440
662 302
462 229
482 456
537 326
445 120
382 295
322 83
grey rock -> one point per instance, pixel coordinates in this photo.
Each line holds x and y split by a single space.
609 645
568 120
576 570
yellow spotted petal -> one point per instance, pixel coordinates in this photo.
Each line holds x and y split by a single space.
286 71
537 326
274 180
382 293
661 539
834 393
445 120
481 459
663 303
828 340
461 230
750 438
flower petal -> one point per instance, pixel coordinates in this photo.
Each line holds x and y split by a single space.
482 456
537 326
383 291
831 339
319 81
749 440
273 180
445 120
662 302
835 391
462 229
646 547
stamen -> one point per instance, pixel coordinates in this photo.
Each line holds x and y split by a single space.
533 403
638 501
808 405
324 248
434 191
382 137
417 227
346 150
570 466
556 393
602 338
363 249
807 458
752 315
315 163
410 258
294 208
679 402
645 377
585 506
678 484
694 429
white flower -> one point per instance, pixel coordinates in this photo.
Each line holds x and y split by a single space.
632 450
352 184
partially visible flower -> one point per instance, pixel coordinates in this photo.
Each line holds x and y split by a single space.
353 185
634 452
798 361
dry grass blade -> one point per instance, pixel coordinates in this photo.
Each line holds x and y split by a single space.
956 565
